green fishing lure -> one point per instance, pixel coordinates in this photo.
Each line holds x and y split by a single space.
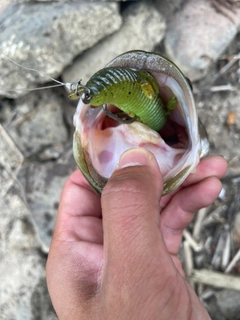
134 92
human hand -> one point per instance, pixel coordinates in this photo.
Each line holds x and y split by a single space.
136 274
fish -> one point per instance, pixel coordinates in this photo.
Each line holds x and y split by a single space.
105 130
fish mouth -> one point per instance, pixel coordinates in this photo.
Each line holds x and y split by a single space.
174 134
99 141
104 140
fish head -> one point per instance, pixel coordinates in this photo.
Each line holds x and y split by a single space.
99 141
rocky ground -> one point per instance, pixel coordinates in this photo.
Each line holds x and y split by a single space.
71 40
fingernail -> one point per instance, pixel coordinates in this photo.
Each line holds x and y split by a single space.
134 157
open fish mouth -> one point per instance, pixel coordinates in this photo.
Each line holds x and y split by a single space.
99 141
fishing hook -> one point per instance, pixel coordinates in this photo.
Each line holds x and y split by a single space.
115 117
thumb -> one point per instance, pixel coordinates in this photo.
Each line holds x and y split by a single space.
131 213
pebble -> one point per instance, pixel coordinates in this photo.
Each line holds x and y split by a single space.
38 124
169 8
22 267
194 41
47 37
223 140
143 28
228 304
43 184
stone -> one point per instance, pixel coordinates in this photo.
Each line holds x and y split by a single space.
43 184
39 125
213 310
194 41
23 290
169 8
143 28
11 158
47 37
228 304
213 111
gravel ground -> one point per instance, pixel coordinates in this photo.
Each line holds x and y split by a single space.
36 134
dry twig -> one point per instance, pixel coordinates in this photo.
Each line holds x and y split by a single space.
233 263
215 279
225 8
188 259
198 223
222 253
226 67
192 243
226 251
214 217
226 87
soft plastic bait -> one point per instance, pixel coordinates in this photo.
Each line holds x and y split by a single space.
134 92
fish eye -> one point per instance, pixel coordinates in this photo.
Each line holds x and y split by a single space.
86 96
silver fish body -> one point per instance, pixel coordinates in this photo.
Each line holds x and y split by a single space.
99 141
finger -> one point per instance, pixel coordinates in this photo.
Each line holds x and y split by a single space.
209 166
78 198
76 252
180 210
130 209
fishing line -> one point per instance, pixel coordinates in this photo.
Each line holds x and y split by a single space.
31 69
33 89
60 84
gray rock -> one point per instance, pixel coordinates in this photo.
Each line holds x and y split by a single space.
11 160
194 40
213 310
213 110
39 125
228 304
169 8
43 184
47 36
143 28
10 157
23 291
